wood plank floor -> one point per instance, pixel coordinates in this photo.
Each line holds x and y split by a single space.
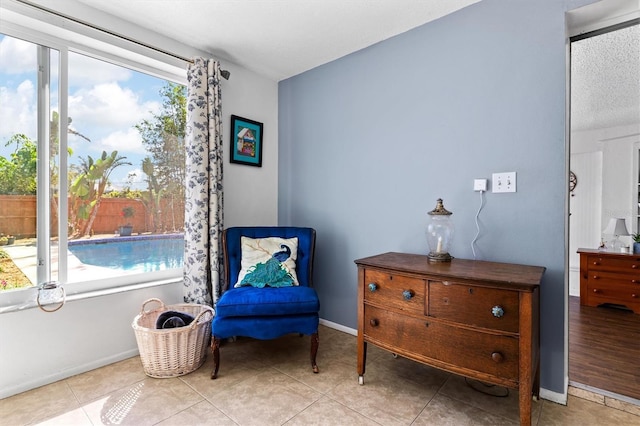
604 348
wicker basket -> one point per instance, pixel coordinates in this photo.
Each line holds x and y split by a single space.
176 351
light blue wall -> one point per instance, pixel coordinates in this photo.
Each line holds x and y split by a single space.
367 144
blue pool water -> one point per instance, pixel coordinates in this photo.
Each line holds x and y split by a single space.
145 253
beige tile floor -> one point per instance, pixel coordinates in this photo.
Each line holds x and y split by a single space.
271 383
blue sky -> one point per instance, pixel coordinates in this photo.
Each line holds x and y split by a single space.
105 103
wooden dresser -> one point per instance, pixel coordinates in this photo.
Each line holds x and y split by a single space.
478 319
608 277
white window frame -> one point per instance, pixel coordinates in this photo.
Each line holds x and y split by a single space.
19 20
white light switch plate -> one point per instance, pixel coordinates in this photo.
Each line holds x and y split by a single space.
503 182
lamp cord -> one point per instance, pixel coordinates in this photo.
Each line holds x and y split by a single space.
482 387
473 250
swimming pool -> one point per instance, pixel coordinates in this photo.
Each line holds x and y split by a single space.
145 253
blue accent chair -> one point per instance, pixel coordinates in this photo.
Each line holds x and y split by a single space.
269 312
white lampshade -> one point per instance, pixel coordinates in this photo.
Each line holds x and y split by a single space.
616 226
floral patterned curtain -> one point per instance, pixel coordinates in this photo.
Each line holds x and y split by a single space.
203 180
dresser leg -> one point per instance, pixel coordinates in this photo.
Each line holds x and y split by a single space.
362 359
536 382
524 400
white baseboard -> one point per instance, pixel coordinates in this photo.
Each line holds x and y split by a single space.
339 327
558 398
61 375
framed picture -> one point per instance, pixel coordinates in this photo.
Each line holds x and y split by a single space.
246 141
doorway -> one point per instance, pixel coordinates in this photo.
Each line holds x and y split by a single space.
604 343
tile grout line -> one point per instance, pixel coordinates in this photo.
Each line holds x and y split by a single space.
80 405
204 398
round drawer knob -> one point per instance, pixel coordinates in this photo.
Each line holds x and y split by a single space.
595 290
497 311
373 287
634 266
595 277
374 322
635 296
497 357
407 294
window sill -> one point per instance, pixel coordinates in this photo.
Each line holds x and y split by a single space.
13 306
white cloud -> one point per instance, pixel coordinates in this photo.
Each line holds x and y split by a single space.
17 56
108 105
137 179
136 175
128 141
18 110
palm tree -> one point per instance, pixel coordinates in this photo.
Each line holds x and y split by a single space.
89 186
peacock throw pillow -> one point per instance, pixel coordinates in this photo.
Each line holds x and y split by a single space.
268 262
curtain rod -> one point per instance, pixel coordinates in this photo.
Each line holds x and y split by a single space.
224 73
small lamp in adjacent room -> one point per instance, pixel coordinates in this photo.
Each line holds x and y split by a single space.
616 227
439 233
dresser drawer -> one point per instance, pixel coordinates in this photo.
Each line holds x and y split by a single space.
630 265
395 291
622 277
622 292
487 353
472 305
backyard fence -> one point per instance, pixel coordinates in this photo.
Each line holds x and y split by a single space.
18 216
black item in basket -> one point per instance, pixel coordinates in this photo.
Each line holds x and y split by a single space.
173 319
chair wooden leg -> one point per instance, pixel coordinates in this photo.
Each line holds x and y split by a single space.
315 342
215 348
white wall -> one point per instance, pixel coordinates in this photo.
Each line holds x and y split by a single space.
251 193
39 348
618 179
584 219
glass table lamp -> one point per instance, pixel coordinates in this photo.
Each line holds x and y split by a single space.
616 227
439 233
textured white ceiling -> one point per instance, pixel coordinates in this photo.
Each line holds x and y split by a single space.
605 80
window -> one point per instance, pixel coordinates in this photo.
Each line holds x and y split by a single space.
91 164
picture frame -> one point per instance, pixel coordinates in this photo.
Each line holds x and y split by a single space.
246 141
